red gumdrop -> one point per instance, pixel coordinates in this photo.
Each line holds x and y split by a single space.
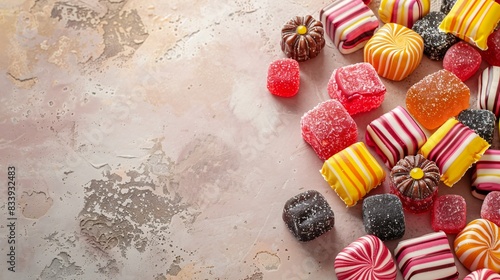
463 60
492 54
283 77
449 213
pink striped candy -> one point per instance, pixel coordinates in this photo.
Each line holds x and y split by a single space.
486 175
366 258
483 274
404 12
489 90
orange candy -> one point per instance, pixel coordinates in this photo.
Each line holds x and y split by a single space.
436 98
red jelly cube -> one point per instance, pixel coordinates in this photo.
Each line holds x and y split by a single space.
490 210
357 87
328 128
283 77
492 54
462 60
449 214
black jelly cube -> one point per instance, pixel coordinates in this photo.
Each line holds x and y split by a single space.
383 216
308 215
481 121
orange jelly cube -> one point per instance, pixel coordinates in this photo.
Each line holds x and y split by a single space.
436 98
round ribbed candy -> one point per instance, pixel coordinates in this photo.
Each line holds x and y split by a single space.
478 245
302 38
366 258
483 274
395 51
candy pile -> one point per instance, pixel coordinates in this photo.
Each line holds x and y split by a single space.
435 140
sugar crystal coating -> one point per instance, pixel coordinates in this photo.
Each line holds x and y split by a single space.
490 209
478 245
283 77
352 173
403 12
308 215
462 60
357 87
426 257
486 174
479 120
436 98
483 274
328 128
366 258
383 216
446 5
302 38
492 54
436 42
489 90
449 213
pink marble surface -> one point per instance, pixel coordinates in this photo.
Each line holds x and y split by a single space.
147 146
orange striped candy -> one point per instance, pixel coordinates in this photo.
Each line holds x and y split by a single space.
395 51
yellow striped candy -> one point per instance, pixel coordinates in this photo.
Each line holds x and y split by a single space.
395 51
404 12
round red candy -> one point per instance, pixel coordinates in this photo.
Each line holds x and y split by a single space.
463 60
492 54
283 77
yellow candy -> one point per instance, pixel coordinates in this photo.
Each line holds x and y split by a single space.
301 29
416 173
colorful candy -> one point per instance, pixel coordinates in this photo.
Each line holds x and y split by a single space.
472 21
449 213
483 274
395 51
478 245
352 173
302 38
492 54
403 12
462 60
486 175
308 215
383 216
490 209
349 23
426 257
436 98
415 180
394 135
366 258
283 77
489 90
357 87
436 42
454 148
481 121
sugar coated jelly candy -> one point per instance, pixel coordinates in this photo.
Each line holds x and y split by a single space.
483 274
328 128
415 180
349 24
481 121
283 77
446 5
308 215
489 90
357 87
352 173
492 54
366 258
472 21
395 51
436 42
454 147
426 257
394 135
449 213
436 98
383 216
403 12
490 209
486 174
302 38
478 245
462 60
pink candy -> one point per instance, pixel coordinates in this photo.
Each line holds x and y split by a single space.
283 77
490 210
462 60
492 54
449 214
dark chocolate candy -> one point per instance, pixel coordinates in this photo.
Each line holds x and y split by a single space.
308 215
436 42
302 38
383 216
481 121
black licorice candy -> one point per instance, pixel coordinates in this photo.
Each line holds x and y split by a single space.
436 42
481 121
308 215
383 216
